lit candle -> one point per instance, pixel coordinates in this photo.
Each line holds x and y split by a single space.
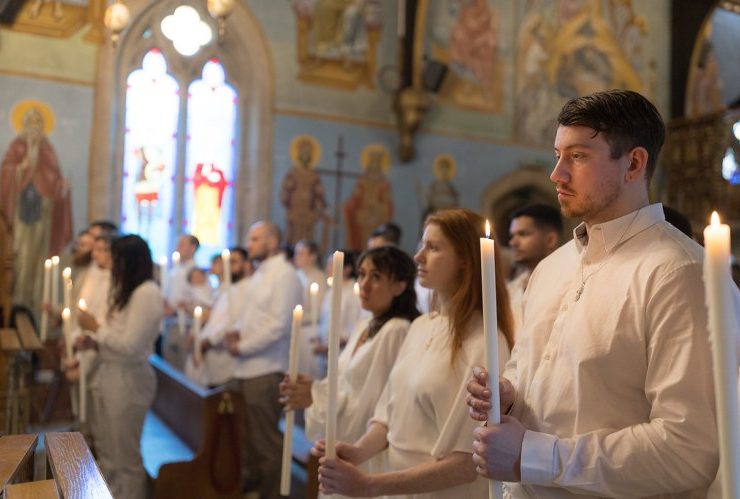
67 331
67 283
175 258
290 415
83 358
197 353
329 281
314 294
162 273
45 299
226 264
490 333
54 281
718 287
356 289
333 355
82 304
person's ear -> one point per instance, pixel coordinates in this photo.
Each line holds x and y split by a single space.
398 288
637 169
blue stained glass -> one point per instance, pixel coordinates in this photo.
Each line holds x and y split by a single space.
150 152
210 157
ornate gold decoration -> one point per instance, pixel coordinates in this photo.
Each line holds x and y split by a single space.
57 21
444 167
373 150
315 149
19 112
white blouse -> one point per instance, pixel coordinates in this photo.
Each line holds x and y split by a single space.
128 335
423 404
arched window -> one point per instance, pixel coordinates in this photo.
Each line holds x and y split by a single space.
191 119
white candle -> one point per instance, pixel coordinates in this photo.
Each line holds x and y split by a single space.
162 273
175 258
490 333
333 354
314 295
45 299
290 415
67 283
82 304
356 289
83 359
717 283
54 281
226 264
329 281
67 331
197 318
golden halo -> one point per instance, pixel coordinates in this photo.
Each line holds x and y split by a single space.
437 167
385 163
20 109
315 157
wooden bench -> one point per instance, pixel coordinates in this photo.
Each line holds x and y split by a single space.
43 489
72 465
16 452
201 456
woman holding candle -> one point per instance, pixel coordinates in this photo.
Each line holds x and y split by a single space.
386 280
123 385
421 417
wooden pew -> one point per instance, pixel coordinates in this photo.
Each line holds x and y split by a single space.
43 489
208 424
15 458
27 333
72 465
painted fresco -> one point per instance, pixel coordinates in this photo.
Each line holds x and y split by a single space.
568 48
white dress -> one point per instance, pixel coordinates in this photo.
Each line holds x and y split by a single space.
425 409
362 377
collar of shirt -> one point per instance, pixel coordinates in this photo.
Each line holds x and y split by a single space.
604 237
269 262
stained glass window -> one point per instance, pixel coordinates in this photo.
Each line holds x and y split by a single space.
150 152
210 154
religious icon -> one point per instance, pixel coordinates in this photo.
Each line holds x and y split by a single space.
301 191
371 202
441 194
337 41
148 184
209 183
35 198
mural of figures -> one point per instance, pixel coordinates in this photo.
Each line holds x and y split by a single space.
441 194
148 184
337 41
35 198
371 201
464 34
209 183
301 191
569 48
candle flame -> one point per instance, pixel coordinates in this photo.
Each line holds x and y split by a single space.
66 314
198 312
488 228
175 257
225 254
163 261
47 263
356 289
55 260
82 304
67 272
715 219
298 308
314 288
329 281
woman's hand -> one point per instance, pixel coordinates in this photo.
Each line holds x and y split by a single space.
87 321
296 394
85 342
347 452
71 369
337 476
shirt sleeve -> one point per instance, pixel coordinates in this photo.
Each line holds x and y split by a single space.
271 324
143 318
676 448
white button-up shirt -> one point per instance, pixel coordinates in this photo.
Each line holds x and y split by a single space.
272 293
615 388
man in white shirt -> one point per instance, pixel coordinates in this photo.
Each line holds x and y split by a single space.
176 295
610 383
260 346
534 233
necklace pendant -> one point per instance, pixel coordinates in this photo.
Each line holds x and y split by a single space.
579 292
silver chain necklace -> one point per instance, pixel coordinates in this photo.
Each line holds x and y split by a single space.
579 291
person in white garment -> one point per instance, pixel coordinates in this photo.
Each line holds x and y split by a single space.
176 294
421 418
124 383
218 363
386 278
260 346
534 233
609 388
95 291
306 261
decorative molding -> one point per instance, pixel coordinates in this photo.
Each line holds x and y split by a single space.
46 77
